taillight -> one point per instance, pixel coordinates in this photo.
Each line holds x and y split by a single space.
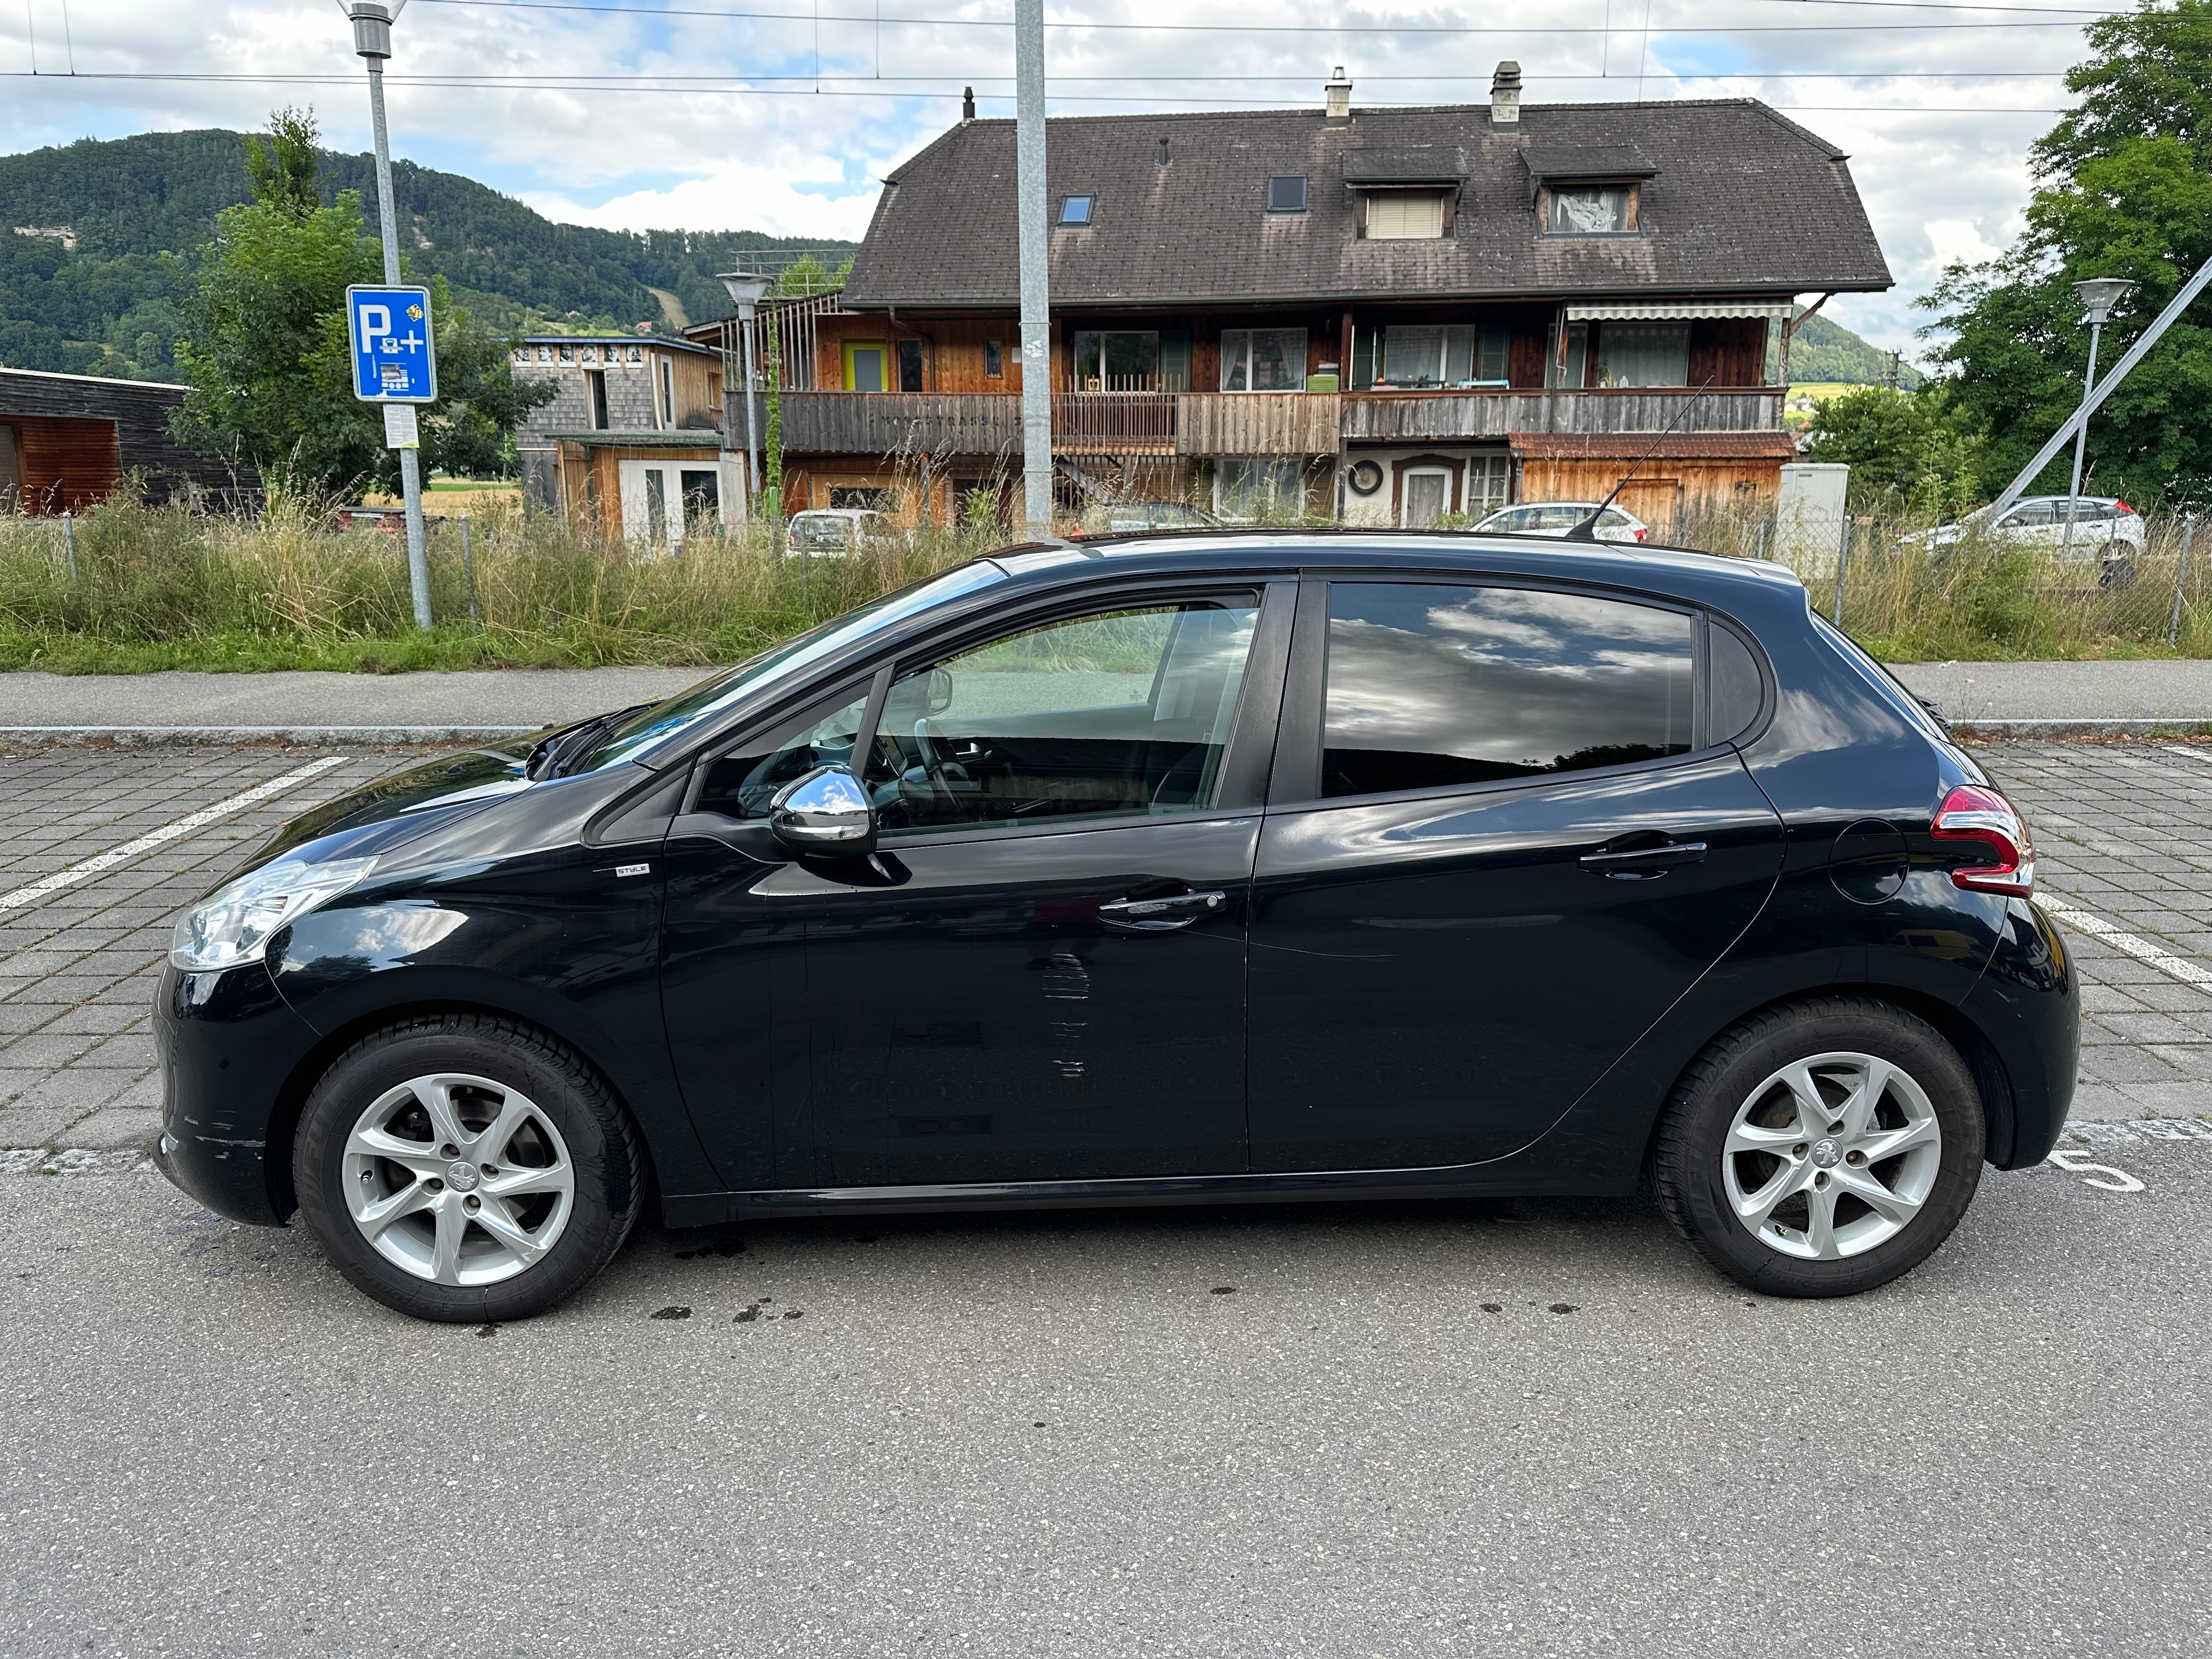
1972 813
2122 507
1641 532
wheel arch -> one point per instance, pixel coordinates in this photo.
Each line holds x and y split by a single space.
292 1096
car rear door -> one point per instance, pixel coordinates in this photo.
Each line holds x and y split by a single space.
1499 847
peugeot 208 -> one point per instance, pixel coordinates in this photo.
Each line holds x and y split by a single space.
1239 867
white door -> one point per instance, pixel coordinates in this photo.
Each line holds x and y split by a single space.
1425 497
652 503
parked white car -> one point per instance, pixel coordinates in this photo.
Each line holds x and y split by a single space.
832 531
1557 518
2107 531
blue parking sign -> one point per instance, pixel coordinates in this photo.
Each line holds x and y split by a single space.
393 361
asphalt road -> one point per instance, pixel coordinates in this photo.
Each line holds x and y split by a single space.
1539 1427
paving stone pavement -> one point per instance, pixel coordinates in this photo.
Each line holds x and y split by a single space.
2124 831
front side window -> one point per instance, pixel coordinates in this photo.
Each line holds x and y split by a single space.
1263 360
1435 686
1123 714
1589 211
740 785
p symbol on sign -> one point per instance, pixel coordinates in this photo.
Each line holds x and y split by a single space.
375 325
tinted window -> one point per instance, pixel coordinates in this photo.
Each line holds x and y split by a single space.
743 783
1432 686
1733 685
1126 713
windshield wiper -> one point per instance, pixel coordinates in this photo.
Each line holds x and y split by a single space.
554 754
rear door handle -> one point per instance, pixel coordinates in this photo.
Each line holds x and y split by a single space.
1160 915
1638 861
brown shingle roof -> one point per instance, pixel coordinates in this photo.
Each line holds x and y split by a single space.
1744 200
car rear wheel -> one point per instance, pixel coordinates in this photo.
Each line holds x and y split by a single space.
464 1167
1822 1148
2116 565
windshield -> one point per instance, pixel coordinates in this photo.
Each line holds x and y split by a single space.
657 723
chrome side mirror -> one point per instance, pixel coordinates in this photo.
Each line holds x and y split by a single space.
826 812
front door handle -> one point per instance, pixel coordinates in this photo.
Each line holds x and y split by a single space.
1638 863
1160 915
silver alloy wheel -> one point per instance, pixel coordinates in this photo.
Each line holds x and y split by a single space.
457 1179
1831 1156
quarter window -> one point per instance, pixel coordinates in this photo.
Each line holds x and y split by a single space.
1431 687
1123 714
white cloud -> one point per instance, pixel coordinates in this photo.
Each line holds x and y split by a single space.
737 195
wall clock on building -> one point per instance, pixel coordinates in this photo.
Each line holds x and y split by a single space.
1365 477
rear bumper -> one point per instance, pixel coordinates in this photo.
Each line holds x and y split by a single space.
2028 1004
227 1043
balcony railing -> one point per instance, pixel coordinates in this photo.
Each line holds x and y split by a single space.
1167 423
1418 416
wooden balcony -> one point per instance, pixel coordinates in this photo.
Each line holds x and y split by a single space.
1424 416
1169 423
1122 423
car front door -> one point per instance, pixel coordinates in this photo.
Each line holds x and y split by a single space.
1500 848
1040 974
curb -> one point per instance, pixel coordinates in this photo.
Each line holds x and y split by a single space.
2181 726
305 735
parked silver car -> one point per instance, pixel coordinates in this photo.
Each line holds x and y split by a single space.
1557 518
2106 531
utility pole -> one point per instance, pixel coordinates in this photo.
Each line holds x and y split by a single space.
2098 295
372 22
1036 299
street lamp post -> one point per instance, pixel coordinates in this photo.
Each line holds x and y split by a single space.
372 22
745 293
2098 295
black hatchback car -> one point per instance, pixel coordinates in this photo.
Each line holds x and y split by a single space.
1240 866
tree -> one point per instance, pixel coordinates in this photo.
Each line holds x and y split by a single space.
264 345
2125 190
1904 448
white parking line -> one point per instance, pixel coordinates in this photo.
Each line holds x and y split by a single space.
168 832
2189 973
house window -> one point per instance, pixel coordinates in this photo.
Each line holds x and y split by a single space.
1075 210
1590 210
568 354
595 382
1571 367
1116 360
869 499
1493 354
1263 360
545 354
587 354
1486 484
1247 489
995 360
909 366
1286 193
668 392
1428 356
1643 353
637 354
1405 216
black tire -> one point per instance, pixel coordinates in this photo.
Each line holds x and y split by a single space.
602 1145
1687 1155
2115 567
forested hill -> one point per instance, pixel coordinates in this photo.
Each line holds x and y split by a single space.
94 292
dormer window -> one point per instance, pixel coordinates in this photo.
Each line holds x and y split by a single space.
1405 194
1075 210
1579 209
1405 216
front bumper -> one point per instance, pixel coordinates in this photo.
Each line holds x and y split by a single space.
228 1046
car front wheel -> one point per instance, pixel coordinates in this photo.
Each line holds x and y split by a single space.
465 1168
1822 1148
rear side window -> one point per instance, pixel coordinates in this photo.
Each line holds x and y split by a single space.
1734 690
1432 686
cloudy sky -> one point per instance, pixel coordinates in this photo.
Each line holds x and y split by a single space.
708 113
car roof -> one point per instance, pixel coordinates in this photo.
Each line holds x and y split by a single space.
1683 571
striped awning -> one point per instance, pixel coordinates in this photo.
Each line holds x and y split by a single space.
1679 311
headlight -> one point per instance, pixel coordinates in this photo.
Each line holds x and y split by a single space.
231 925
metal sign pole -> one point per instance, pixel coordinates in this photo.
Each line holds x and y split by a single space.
1036 288
371 38
1843 558
2180 580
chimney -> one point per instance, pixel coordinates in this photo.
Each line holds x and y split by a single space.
1505 95
1337 92
967 103
1164 161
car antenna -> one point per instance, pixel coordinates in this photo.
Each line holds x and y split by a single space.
1586 530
